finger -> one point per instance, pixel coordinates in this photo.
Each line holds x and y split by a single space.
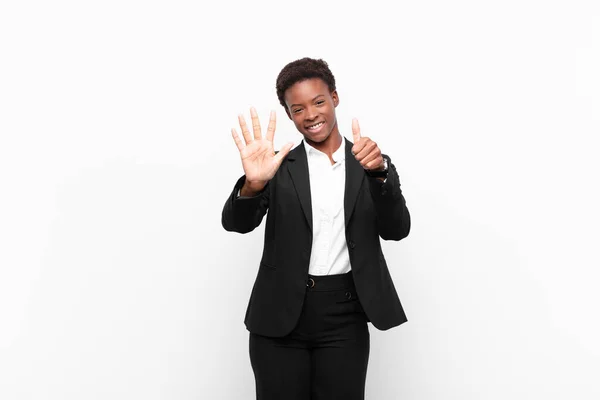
244 127
367 147
255 123
374 155
283 152
360 146
378 162
355 130
271 127
236 138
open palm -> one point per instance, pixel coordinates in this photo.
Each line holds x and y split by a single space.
259 160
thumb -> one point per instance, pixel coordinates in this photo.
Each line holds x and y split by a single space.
355 130
283 152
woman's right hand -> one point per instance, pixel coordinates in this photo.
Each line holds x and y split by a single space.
258 156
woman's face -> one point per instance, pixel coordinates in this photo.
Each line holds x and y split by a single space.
311 106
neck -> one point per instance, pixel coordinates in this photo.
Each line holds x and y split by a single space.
329 145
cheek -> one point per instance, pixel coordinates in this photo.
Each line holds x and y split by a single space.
297 121
331 114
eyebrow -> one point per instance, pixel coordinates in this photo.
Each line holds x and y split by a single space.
316 97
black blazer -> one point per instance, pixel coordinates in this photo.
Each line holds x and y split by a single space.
372 210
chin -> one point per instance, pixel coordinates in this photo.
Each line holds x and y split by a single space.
319 138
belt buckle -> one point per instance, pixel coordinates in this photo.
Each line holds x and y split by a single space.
310 283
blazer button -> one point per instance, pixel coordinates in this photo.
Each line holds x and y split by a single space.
351 244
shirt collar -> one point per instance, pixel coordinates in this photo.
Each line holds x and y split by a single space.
338 156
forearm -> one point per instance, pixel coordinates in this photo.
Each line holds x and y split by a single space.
243 215
393 217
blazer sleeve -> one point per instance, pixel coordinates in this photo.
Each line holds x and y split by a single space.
243 214
393 218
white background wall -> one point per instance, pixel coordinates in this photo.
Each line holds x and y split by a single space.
117 280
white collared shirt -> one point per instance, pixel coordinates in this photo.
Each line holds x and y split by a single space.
329 253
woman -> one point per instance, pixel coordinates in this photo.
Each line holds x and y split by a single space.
322 275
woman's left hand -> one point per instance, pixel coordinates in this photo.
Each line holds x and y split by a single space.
365 150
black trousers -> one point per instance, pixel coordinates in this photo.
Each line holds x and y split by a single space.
325 357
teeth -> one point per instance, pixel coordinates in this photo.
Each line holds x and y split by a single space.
315 126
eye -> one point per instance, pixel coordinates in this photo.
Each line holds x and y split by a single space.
296 111
320 102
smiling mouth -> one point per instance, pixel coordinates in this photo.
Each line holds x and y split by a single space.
316 127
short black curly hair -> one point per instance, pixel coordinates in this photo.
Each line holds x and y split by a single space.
300 70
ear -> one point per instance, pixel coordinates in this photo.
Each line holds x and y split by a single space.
335 97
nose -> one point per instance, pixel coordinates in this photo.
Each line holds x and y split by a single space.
311 113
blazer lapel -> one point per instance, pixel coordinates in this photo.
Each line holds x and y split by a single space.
298 169
354 178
